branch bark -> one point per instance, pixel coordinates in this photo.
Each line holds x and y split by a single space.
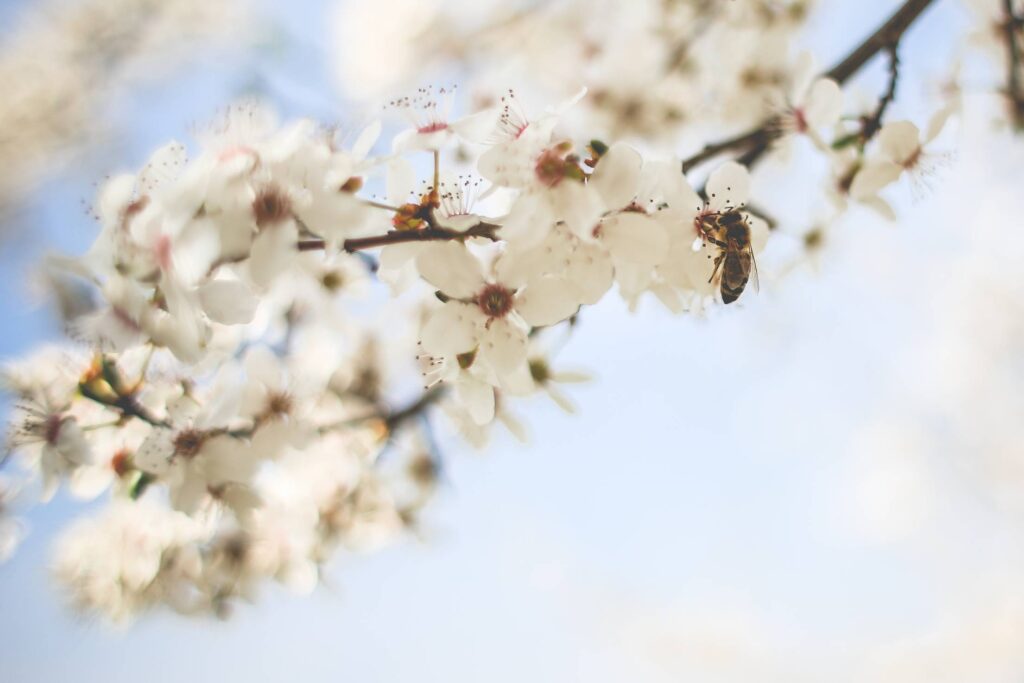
873 123
428 234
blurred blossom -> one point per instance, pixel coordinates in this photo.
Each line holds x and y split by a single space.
61 61
650 65
378 42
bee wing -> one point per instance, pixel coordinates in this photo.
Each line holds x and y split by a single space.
753 269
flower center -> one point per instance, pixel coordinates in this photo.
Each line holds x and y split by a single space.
550 167
279 404
332 280
495 301
121 462
51 429
271 206
913 159
800 120
188 442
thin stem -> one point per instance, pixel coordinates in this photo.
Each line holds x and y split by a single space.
145 366
380 205
712 150
395 419
392 419
873 123
889 33
430 234
437 171
102 425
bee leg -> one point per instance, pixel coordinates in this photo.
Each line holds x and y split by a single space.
718 262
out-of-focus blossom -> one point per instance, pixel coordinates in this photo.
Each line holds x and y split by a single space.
60 61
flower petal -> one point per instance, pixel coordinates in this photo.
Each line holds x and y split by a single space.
578 206
503 345
899 141
590 273
937 123
476 127
230 302
635 238
451 268
476 397
273 251
873 177
154 455
366 140
824 103
728 186
452 329
546 301
529 221
261 365
617 176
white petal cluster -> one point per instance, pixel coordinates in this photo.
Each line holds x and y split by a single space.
240 392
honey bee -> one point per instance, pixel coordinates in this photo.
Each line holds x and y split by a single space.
729 231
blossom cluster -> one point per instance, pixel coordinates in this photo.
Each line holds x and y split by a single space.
654 67
233 398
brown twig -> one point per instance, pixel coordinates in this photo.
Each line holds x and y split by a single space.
392 419
431 396
428 234
758 141
712 150
871 124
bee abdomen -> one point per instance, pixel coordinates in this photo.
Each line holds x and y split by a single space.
730 294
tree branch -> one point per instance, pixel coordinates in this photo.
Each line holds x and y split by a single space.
415 409
887 34
870 125
428 234
712 150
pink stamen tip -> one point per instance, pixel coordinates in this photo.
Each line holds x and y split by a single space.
432 128
162 249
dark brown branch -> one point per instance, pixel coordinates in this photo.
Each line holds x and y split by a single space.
1014 91
871 124
396 418
758 141
712 150
428 234
889 33
128 406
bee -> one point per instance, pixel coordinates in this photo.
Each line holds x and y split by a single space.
729 231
